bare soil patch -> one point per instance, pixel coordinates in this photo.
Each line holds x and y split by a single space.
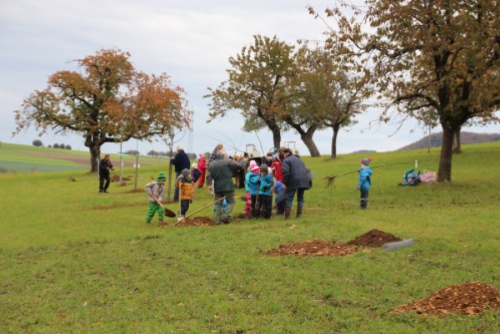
116 206
374 238
116 178
241 216
135 191
60 156
197 221
467 299
315 247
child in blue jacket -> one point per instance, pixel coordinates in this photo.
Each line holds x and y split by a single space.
252 187
266 183
364 181
280 192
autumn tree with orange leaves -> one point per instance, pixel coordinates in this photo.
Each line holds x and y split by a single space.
107 102
421 55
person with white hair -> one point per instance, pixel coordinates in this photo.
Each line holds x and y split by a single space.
181 162
220 184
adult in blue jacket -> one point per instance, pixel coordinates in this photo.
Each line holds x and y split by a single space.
295 180
181 162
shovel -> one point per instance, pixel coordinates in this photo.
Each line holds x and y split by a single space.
168 213
206 206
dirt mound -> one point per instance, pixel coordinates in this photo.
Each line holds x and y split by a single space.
197 221
374 238
135 191
315 247
241 216
116 178
469 298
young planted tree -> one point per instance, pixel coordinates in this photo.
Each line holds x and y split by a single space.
440 54
108 101
258 83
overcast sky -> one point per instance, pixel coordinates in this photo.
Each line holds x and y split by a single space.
191 40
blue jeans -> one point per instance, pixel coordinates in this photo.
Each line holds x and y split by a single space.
290 194
176 191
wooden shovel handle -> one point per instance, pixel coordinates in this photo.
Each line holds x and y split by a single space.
157 201
206 206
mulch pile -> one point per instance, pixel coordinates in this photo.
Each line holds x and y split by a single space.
468 299
315 247
116 178
197 221
374 238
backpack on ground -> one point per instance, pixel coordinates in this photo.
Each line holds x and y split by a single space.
411 178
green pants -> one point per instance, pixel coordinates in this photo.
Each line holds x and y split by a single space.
153 208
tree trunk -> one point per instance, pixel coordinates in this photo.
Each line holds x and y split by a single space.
276 136
334 142
444 172
95 152
307 138
456 142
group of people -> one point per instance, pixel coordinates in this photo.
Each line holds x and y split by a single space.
285 178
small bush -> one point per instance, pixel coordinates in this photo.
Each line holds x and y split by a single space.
62 146
37 142
56 145
68 147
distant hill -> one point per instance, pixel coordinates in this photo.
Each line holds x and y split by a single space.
436 140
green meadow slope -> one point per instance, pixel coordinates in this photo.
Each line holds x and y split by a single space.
24 158
75 261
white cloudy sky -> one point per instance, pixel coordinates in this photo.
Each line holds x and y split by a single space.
191 40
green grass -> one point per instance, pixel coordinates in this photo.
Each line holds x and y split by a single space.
25 158
74 261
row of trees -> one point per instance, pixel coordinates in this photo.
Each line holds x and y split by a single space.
435 61
108 101
39 143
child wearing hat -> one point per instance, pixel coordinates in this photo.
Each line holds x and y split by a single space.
186 191
251 179
264 203
364 181
156 191
195 173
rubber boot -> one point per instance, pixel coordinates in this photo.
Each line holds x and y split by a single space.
288 211
299 211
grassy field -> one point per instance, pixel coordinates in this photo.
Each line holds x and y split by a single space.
24 158
75 261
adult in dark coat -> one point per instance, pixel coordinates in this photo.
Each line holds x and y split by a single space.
104 167
181 162
295 179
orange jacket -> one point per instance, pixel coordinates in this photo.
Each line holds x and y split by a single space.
186 188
